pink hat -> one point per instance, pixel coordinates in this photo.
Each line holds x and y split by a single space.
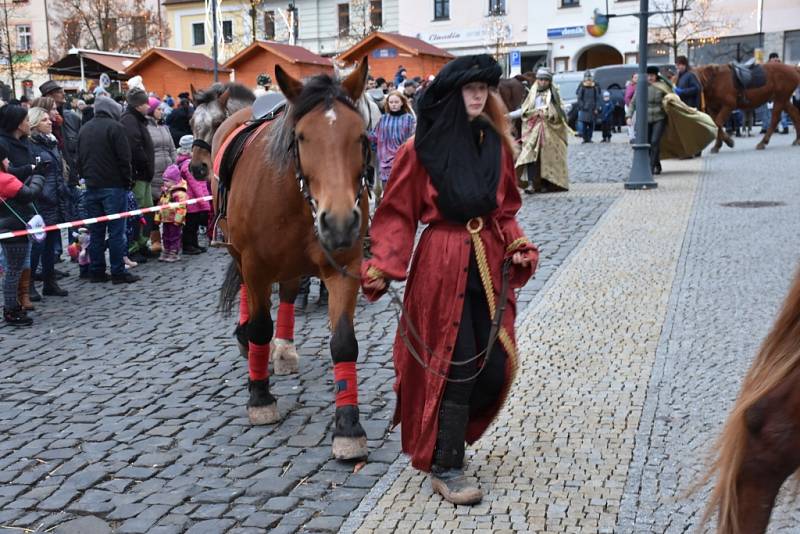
152 104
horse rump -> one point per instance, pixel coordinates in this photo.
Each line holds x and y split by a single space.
229 291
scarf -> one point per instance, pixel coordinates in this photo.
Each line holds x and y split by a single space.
461 157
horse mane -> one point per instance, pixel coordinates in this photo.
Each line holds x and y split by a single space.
319 90
778 356
236 91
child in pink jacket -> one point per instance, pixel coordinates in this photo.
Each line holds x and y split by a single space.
198 213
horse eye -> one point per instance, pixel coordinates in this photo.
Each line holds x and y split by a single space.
301 137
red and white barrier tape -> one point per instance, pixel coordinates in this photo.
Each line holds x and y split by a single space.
104 218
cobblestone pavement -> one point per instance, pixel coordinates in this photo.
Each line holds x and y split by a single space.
123 407
736 268
598 162
556 458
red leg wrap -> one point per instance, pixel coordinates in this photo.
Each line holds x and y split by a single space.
244 312
258 361
285 327
344 378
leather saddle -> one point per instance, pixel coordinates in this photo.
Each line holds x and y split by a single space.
749 75
265 109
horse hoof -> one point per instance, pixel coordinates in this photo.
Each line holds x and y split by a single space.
729 142
796 142
761 146
714 150
263 415
285 359
350 448
262 408
349 438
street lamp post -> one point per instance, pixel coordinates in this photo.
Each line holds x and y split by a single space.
641 176
215 37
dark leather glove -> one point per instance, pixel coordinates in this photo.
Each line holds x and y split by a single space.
41 167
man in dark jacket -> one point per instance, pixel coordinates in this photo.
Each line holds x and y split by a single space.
179 120
104 162
589 104
67 132
688 86
134 120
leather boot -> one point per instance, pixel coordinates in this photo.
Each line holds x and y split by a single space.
155 242
447 471
323 294
52 289
23 295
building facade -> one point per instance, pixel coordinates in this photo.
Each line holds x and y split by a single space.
497 27
326 27
572 37
752 27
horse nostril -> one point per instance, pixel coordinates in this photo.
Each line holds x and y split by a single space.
323 220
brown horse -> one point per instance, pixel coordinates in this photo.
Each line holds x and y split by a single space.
722 97
212 107
760 444
298 206
513 92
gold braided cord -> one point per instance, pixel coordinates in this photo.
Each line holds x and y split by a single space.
517 243
483 269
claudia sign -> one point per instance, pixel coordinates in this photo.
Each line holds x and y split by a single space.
463 34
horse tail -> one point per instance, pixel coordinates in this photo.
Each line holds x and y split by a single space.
229 292
778 356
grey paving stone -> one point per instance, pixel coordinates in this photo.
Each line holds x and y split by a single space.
214 525
84 525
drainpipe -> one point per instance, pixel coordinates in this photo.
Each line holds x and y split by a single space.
83 74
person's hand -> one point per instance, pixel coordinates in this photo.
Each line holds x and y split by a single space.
375 284
678 91
41 167
628 121
521 258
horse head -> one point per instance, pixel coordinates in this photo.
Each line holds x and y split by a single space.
330 150
209 113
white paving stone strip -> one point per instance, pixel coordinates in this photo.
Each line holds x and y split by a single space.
557 458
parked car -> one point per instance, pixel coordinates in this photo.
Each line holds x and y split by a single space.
611 78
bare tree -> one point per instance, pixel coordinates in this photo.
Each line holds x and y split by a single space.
684 20
110 25
8 42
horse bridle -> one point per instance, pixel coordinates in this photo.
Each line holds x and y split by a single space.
199 143
304 186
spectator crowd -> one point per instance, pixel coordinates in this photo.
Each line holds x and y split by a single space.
94 156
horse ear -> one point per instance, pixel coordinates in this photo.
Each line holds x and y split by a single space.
357 81
194 92
290 87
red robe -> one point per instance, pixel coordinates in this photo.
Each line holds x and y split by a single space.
434 294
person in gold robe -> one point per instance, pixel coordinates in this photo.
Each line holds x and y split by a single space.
542 162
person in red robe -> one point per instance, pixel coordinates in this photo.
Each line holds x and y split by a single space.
457 177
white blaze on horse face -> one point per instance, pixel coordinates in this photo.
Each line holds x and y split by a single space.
331 116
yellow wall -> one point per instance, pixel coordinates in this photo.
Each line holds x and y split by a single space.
181 17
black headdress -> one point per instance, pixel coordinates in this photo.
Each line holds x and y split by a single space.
461 157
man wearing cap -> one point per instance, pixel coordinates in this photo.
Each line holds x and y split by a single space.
104 161
589 104
542 161
67 132
134 120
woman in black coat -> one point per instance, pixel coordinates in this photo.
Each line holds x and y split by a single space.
53 204
15 210
14 131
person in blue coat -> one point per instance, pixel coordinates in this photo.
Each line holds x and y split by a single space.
589 104
54 202
607 116
688 87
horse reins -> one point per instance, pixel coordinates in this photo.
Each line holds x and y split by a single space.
199 143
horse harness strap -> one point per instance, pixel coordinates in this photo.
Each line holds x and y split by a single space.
305 190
